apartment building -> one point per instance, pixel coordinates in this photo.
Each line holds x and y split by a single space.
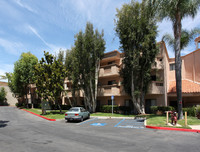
162 90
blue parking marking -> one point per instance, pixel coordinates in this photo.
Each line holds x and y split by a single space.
87 121
120 122
137 124
98 124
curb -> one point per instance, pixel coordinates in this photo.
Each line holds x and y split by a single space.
39 115
174 129
105 117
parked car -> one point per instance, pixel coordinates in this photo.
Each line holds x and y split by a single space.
77 113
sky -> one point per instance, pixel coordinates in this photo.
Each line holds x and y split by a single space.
50 25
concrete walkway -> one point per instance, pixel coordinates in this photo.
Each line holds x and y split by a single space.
195 127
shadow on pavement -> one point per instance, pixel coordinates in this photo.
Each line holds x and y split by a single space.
3 123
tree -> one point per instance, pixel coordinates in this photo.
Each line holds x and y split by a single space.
175 11
50 75
3 96
88 50
186 37
23 75
136 28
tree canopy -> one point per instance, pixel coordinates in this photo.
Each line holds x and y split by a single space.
175 11
50 75
84 63
137 30
23 74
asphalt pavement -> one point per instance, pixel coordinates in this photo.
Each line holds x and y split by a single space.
23 132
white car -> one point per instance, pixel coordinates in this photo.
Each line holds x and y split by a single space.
77 113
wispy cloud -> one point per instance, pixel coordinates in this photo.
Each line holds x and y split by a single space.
25 6
12 47
38 35
53 48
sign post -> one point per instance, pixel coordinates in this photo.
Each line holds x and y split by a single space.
112 98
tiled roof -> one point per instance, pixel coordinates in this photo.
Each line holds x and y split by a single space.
3 83
187 87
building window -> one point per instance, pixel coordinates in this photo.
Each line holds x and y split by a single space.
159 84
172 66
111 62
126 103
109 102
153 77
112 82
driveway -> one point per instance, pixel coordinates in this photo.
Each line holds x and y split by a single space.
24 132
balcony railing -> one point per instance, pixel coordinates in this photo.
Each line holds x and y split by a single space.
109 90
109 70
156 87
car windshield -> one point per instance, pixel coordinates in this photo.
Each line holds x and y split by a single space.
73 110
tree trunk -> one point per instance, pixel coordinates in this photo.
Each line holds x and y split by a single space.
135 101
26 98
70 102
178 63
96 84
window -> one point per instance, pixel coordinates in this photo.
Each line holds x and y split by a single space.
126 103
112 82
109 102
111 62
172 66
159 84
153 77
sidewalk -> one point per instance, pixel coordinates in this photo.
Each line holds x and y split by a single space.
195 127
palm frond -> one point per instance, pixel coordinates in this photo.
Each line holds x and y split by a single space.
168 39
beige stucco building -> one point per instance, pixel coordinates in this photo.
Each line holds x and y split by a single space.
162 90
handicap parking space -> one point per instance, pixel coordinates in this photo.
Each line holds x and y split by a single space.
131 123
117 123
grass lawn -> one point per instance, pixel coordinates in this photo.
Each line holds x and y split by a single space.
53 114
160 121
101 114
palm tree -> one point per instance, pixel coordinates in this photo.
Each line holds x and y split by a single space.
175 11
186 37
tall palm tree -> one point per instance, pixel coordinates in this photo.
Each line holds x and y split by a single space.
175 11
186 37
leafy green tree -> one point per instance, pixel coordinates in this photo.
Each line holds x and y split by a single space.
50 75
175 11
23 75
2 96
88 50
137 30
186 37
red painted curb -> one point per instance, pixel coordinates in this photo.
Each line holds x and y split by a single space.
175 129
39 115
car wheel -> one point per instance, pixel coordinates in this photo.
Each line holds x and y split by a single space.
81 119
88 116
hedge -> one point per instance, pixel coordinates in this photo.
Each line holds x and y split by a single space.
154 109
191 111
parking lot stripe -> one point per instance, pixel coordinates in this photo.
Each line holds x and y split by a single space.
120 122
87 121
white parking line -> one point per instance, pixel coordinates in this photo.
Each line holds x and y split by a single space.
87 121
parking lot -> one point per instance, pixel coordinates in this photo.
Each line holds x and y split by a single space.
110 123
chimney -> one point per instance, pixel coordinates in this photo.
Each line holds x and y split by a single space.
197 41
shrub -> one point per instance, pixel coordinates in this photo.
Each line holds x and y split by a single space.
191 111
125 109
108 108
162 109
2 96
154 109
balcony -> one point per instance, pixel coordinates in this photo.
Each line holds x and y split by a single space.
109 70
109 90
156 87
158 64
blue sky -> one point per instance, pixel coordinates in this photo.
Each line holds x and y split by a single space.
38 25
